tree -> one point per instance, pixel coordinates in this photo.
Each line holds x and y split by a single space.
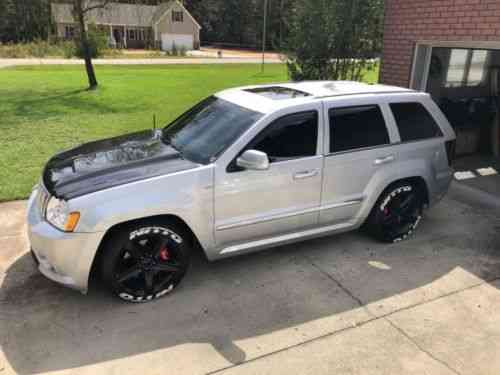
24 20
81 8
334 39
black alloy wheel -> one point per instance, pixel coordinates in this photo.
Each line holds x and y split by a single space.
146 262
397 214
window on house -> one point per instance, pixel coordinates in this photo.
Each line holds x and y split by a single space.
354 128
414 122
477 67
139 35
466 67
131 34
69 32
177 16
290 137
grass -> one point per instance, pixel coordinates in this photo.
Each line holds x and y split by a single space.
46 109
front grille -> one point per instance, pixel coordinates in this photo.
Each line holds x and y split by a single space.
43 199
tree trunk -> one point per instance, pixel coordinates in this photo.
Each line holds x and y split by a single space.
90 68
85 44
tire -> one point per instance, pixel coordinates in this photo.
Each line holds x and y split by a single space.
397 213
145 261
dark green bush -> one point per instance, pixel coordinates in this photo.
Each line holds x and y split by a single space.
334 39
98 43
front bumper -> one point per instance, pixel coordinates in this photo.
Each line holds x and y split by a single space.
65 258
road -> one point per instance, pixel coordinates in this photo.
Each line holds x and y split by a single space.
336 305
4 63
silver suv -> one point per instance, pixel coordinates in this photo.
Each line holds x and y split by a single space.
245 169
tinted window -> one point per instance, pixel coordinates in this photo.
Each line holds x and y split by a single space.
206 130
357 127
289 137
414 122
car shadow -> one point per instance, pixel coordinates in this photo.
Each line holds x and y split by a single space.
338 281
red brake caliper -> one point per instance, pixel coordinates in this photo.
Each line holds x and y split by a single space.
164 254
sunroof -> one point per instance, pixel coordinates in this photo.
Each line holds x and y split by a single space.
278 93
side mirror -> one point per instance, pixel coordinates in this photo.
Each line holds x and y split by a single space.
254 160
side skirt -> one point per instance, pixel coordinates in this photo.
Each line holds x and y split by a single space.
285 239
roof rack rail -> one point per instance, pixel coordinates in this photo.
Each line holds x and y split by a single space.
366 93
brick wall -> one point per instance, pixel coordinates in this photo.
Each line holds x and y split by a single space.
409 21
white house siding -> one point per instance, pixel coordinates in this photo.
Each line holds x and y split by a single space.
166 26
61 29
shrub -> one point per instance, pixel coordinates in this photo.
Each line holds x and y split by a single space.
68 49
38 48
156 53
112 52
334 39
174 50
98 42
10 51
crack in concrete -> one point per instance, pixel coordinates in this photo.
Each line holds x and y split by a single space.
420 347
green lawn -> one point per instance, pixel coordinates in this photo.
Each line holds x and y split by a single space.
46 109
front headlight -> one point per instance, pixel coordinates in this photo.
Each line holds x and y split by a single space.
57 214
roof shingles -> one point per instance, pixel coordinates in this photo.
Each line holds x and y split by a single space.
114 14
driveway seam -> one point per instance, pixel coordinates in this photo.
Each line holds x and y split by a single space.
421 348
340 285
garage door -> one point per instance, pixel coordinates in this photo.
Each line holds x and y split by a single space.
180 40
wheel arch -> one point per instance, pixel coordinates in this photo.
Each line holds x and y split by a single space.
372 223
168 218
416 179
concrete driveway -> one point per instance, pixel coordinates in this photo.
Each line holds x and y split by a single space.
337 305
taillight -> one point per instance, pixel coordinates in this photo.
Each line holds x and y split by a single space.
450 151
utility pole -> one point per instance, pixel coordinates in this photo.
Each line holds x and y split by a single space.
264 32
281 23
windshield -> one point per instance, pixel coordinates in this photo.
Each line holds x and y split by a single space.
208 129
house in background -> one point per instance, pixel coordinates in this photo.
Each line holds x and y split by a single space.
450 49
135 26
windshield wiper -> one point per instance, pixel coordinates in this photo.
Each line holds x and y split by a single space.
166 138
168 141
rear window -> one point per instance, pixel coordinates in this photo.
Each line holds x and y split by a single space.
414 122
353 128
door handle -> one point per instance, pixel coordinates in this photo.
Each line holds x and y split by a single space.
305 174
384 160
